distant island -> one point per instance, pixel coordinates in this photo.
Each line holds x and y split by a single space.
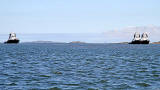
77 42
123 43
156 42
53 42
43 42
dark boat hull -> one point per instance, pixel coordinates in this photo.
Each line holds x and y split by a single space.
145 42
135 42
139 42
12 42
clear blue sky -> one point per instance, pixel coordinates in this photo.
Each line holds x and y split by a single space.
75 16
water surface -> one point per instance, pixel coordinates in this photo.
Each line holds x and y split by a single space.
79 67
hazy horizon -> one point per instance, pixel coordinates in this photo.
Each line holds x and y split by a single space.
111 36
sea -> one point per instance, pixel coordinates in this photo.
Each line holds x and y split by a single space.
66 66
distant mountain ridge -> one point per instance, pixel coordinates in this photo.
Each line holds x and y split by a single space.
126 34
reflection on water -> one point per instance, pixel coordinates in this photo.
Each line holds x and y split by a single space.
79 66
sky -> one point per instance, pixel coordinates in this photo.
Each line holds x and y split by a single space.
76 16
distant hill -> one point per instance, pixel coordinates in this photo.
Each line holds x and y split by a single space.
156 42
77 42
123 43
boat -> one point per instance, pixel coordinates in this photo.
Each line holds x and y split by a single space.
143 39
12 39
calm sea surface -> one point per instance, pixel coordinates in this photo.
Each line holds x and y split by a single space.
79 67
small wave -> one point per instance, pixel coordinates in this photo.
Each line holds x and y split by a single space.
143 84
55 88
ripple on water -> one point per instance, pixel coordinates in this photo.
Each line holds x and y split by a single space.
92 89
47 76
55 88
123 87
143 84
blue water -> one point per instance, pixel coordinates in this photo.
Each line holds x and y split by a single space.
79 67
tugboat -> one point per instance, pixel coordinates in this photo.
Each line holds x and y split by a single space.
12 39
140 40
136 39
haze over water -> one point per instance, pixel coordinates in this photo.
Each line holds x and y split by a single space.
80 66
